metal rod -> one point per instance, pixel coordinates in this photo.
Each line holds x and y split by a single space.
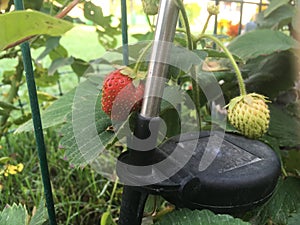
241 18
164 35
260 5
37 124
124 32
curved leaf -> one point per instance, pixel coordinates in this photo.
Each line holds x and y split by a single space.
20 24
257 42
294 219
186 216
275 4
15 214
55 114
278 18
284 202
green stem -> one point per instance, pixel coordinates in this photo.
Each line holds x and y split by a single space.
149 23
142 55
284 171
186 24
191 45
112 194
206 24
230 57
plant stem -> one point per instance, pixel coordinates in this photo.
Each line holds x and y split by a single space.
206 24
112 194
186 23
230 57
142 55
149 23
196 90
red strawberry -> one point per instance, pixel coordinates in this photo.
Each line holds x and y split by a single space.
120 96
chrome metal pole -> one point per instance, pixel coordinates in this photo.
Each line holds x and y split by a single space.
164 36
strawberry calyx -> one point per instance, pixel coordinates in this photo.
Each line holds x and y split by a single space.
248 98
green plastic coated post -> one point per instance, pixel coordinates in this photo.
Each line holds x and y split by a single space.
124 32
38 130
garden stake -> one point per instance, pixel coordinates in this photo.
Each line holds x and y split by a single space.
133 199
124 32
36 117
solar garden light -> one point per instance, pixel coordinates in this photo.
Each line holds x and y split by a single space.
223 172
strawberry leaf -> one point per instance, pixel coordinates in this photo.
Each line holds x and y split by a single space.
283 203
196 217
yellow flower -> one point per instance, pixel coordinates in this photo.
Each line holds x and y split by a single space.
12 169
20 167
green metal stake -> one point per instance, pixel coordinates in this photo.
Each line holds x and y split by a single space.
36 117
124 32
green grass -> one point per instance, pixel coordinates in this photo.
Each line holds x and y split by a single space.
80 194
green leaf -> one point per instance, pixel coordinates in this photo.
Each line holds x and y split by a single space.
275 4
270 75
15 214
283 127
201 54
55 114
51 44
4 159
44 96
153 202
58 52
57 63
95 14
216 54
6 105
27 23
37 4
144 37
278 18
257 42
40 215
81 67
22 119
107 219
294 219
107 33
186 216
282 204
291 159
89 123
42 77
3 112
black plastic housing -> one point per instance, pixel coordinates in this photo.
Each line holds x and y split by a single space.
242 175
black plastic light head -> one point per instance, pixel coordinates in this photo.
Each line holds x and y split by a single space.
242 174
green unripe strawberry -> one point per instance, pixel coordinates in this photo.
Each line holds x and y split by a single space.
249 114
213 9
150 7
